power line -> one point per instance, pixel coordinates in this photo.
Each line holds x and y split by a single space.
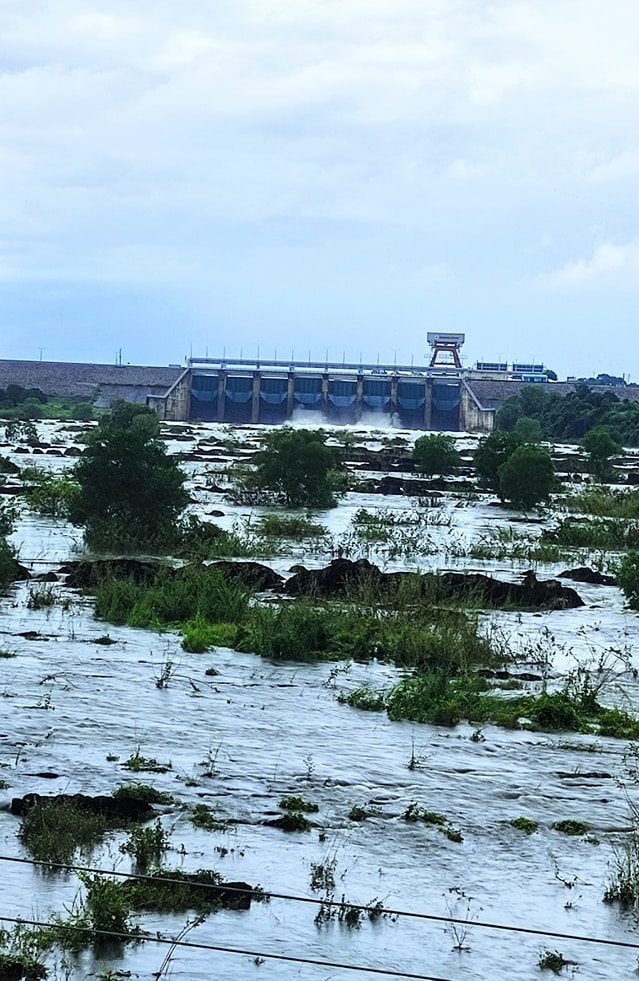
192 945
382 911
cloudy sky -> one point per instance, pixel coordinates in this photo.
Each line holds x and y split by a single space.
332 176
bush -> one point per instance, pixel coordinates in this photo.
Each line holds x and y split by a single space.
527 477
435 453
600 447
491 453
297 467
131 491
82 412
50 493
628 578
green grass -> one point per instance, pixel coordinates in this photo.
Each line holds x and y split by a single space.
604 502
171 599
571 827
364 698
296 527
53 831
441 698
203 817
294 803
606 534
144 792
199 635
527 825
145 764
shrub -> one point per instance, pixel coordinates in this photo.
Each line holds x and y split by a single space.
50 493
628 578
527 825
435 453
297 467
491 453
600 447
82 412
527 477
570 827
131 491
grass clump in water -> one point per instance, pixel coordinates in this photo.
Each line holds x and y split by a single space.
604 502
414 814
527 825
203 817
571 827
172 598
200 635
146 845
606 534
145 792
54 830
553 960
296 527
364 698
138 764
294 803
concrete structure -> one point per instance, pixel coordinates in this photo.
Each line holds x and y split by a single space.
275 392
97 383
425 397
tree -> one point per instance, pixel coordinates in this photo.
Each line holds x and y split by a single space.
9 569
435 453
298 467
82 412
527 477
131 491
600 445
491 453
628 577
528 429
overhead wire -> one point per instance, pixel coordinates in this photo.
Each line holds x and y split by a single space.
258 894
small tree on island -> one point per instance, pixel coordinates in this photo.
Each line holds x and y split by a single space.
435 453
298 468
491 453
600 446
527 477
131 491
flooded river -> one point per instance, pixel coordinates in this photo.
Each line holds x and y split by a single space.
242 738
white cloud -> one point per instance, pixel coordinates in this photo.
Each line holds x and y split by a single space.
606 262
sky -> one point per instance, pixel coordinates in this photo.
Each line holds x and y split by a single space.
323 177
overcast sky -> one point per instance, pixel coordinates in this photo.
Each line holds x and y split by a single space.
332 176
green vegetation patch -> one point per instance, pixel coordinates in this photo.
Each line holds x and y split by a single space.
364 698
570 827
606 534
440 698
527 825
553 960
414 814
139 763
144 792
294 803
53 830
297 527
